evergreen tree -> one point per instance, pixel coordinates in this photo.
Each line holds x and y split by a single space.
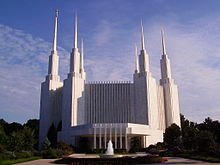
3 139
46 144
28 139
172 136
205 142
34 125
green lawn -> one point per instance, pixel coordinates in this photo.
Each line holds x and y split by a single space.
8 162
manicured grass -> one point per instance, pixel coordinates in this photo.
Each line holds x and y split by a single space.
8 162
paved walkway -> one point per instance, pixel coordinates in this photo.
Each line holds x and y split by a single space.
183 161
40 162
171 160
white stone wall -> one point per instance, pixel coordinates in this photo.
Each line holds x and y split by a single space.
161 110
53 63
153 104
73 109
109 102
170 92
145 100
48 109
172 112
141 99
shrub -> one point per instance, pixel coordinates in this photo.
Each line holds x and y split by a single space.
9 155
37 153
3 156
1 148
46 144
61 153
53 153
120 151
49 154
23 154
135 144
98 151
63 146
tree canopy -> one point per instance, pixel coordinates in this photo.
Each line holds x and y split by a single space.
17 137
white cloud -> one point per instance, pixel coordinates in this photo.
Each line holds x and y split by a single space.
23 65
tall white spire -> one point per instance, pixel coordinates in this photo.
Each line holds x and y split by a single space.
81 58
75 55
143 61
164 62
170 90
142 37
75 33
54 58
163 42
136 60
55 31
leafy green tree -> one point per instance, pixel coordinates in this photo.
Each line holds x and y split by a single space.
21 140
2 122
65 147
28 139
15 141
172 136
34 125
205 142
46 144
3 139
12 127
189 138
212 126
189 133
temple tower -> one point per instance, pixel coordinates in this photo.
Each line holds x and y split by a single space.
170 90
73 91
145 90
50 108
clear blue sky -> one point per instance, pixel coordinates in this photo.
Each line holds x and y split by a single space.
110 28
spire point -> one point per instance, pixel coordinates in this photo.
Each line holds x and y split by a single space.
55 30
56 12
142 36
163 42
136 52
76 29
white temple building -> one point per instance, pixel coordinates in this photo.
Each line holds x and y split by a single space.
103 111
